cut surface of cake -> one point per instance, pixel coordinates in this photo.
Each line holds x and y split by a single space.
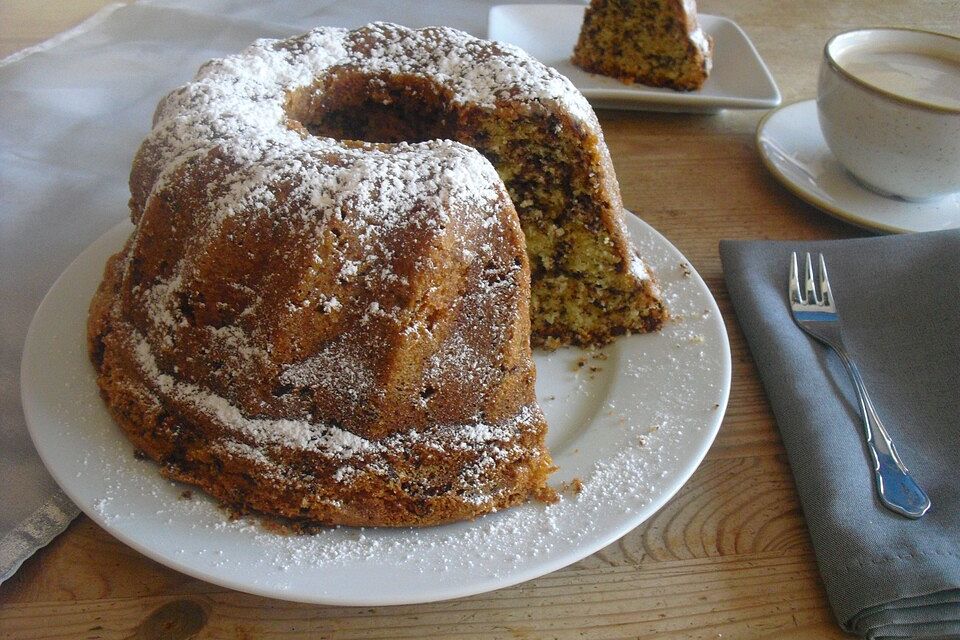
345 244
653 42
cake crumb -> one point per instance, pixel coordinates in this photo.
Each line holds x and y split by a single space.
574 485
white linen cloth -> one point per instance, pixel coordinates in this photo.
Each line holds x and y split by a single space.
74 110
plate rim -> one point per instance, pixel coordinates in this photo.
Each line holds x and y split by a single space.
637 96
809 196
485 583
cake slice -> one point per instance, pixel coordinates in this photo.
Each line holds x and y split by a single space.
653 42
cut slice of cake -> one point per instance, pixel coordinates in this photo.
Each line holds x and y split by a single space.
653 42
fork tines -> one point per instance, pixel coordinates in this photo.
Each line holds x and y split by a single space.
808 295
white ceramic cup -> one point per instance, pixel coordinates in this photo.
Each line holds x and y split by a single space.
890 120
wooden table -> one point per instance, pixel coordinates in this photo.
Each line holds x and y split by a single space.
728 557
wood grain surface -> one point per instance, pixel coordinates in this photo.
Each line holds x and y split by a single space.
728 557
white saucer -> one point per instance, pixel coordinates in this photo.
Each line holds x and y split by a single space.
793 149
548 32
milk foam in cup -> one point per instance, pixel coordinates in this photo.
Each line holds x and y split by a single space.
888 103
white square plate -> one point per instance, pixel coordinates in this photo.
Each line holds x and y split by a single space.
548 32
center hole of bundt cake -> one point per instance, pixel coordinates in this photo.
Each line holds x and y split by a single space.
351 106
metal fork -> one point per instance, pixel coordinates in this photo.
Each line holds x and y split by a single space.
817 315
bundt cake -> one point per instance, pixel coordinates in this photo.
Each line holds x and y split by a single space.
324 310
653 42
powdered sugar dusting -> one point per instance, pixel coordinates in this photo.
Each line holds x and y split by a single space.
296 434
330 440
237 104
697 35
637 266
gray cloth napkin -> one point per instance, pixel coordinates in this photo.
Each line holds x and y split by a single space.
899 300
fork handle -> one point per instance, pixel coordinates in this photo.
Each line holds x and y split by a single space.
895 486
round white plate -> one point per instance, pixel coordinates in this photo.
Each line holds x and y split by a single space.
793 149
633 427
